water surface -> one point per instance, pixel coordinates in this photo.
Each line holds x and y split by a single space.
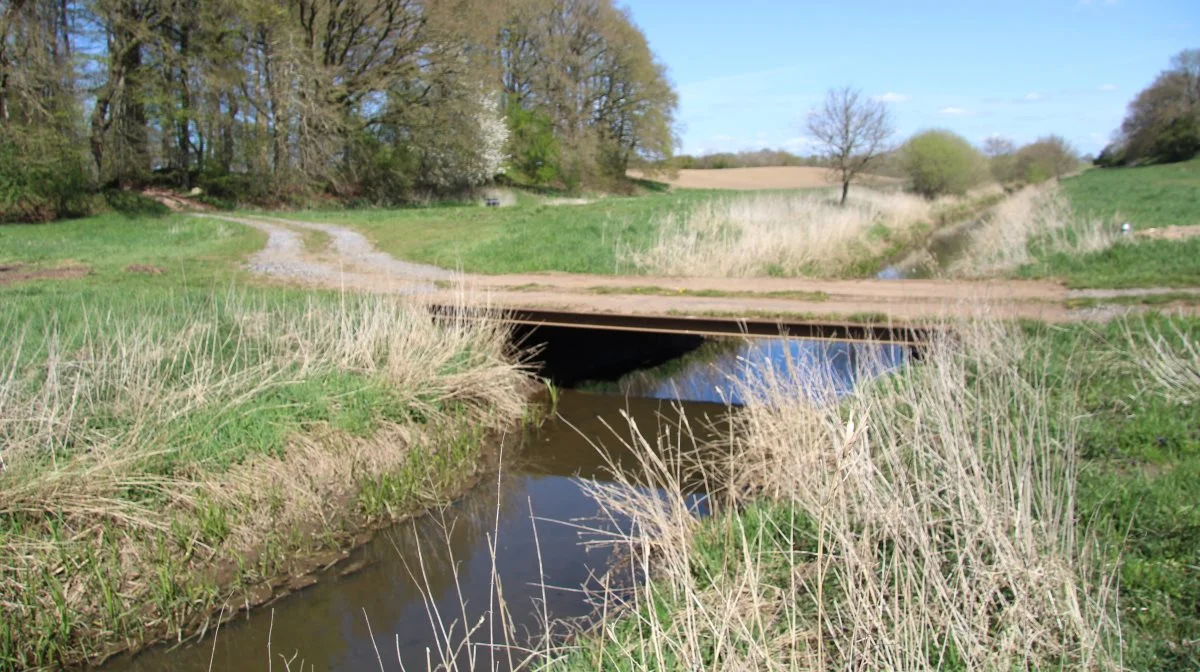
527 526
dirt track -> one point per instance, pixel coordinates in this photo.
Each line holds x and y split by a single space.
353 263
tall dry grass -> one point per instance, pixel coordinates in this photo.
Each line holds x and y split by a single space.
117 504
1037 218
1165 358
926 521
785 234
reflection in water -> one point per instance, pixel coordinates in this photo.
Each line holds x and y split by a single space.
811 367
448 556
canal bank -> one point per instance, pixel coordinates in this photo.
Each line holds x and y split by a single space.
531 536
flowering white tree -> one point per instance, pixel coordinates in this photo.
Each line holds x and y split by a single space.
468 148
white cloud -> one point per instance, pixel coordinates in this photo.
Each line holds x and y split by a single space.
953 111
1107 87
1033 95
892 97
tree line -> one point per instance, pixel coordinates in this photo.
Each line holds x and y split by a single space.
1162 123
276 100
854 133
747 158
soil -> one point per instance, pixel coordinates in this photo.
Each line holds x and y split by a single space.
780 177
176 202
10 273
143 269
354 263
1172 232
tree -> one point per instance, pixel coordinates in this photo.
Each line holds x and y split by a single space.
1179 140
1049 157
940 162
277 99
585 66
43 173
1112 155
532 147
1169 107
1001 153
853 131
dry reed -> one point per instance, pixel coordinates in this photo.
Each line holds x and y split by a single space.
783 234
1166 360
97 408
1036 216
925 521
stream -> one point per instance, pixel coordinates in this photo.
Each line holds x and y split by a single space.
943 248
536 512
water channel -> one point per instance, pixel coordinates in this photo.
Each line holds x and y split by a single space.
943 248
535 512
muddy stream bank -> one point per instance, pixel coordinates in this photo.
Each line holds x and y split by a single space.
530 529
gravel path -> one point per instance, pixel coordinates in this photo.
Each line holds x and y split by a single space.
284 257
354 249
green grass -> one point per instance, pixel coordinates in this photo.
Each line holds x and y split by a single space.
187 381
189 250
1141 481
527 237
1147 197
532 236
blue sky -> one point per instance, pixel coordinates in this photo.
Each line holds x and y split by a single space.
747 72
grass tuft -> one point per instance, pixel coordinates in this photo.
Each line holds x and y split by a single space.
161 453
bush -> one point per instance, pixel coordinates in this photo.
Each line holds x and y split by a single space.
1111 156
1179 140
1051 156
43 177
938 163
133 204
532 148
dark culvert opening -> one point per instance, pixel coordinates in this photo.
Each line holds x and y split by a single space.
567 356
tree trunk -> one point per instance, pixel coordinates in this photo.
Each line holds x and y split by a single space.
227 127
845 190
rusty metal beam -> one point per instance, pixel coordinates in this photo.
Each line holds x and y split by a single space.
713 326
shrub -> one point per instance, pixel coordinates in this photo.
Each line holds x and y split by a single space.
1051 156
1179 140
532 148
939 163
43 176
1112 155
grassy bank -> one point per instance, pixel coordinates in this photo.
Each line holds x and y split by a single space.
530 236
164 456
1073 233
174 443
1003 505
686 232
1147 197
145 251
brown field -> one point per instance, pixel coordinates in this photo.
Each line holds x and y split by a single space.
780 177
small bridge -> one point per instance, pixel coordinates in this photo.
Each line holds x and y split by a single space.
707 326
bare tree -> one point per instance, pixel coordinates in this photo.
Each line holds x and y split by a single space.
996 145
853 130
